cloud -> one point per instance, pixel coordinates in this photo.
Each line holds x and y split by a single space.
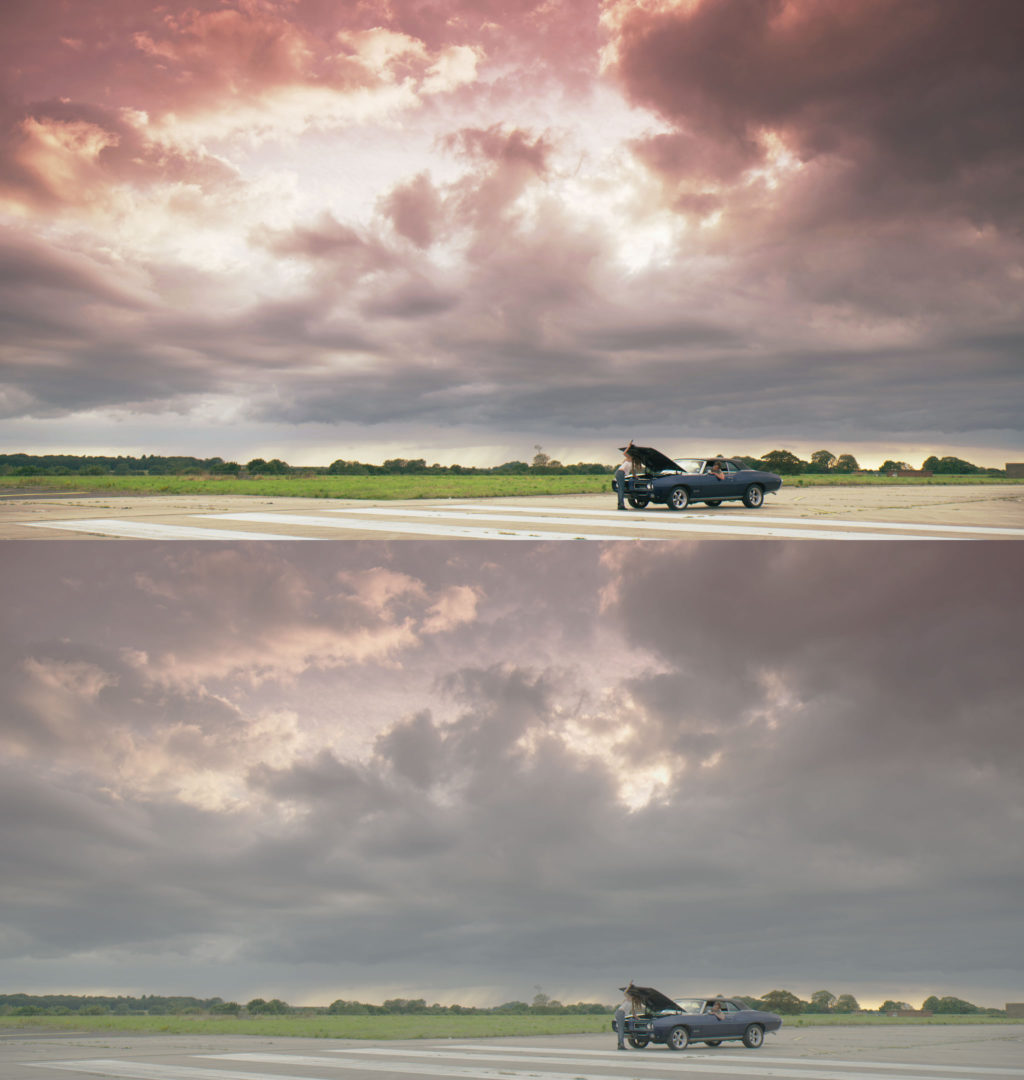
358 223
824 743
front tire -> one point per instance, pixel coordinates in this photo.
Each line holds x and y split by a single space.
638 1042
753 497
712 1042
753 1037
679 1038
638 502
714 504
678 499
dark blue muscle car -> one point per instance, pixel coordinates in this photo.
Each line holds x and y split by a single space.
681 1022
691 480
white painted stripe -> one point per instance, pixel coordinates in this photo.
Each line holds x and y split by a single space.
143 530
689 515
144 1070
468 532
723 1055
813 1070
811 530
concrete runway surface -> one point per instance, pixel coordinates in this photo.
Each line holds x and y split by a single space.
939 1052
962 512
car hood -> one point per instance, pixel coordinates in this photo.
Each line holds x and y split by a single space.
653 461
654 1000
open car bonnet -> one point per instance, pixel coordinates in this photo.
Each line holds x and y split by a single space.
653 461
654 1000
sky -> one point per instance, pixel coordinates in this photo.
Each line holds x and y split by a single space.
476 772
464 229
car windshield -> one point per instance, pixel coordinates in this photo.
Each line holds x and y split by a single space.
689 464
690 1005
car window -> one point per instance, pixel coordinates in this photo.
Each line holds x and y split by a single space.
689 1005
689 465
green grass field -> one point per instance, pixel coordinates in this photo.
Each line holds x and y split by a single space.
403 1027
397 487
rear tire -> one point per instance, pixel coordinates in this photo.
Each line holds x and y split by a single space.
753 497
714 504
712 1042
753 1037
679 1038
678 499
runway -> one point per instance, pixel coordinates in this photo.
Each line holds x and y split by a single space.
538 519
816 1055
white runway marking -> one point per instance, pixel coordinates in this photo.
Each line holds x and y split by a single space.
458 1063
476 521
360 519
142 1070
420 1068
724 1055
143 530
466 532
690 523
686 515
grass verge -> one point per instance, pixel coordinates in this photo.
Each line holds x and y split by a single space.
406 1027
321 1027
404 487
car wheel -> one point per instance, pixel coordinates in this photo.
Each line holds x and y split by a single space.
678 499
753 1036
638 1042
712 1042
638 502
712 503
679 1038
753 497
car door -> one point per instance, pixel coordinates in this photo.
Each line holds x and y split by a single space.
735 480
736 1017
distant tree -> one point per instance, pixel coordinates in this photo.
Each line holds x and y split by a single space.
822 1001
845 463
227 1008
406 1005
540 459
784 1002
517 1007
954 466
822 460
347 1008
952 1005
784 462
889 466
889 1006
349 468
257 465
846 1003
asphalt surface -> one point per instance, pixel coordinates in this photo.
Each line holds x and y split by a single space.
933 512
940 1052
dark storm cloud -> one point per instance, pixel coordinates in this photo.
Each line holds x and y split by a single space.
919 97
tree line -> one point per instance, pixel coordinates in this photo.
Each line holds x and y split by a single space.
783 462
783 1002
